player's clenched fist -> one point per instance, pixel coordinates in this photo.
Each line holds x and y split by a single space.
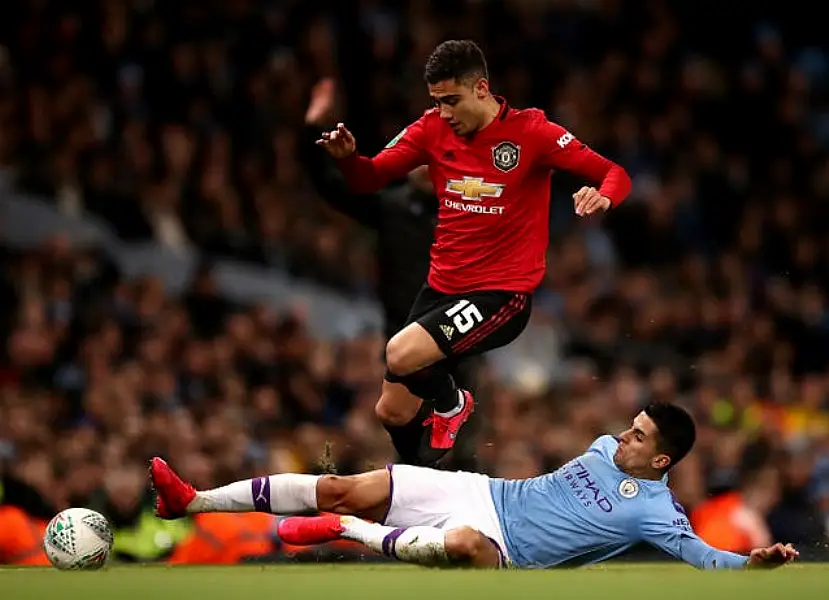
339 143
588 200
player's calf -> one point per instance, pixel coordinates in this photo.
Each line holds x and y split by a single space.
397 406
403 415
425 436
283 494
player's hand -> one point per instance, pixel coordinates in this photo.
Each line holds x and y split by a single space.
588 200
339 143
772 557
321 107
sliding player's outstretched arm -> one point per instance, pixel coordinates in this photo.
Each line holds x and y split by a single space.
366 175
667 528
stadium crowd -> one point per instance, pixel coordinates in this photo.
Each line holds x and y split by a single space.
179 122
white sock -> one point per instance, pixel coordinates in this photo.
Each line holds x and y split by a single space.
284 494
421 545
458 407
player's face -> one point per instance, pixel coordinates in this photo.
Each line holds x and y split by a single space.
638 454
462 104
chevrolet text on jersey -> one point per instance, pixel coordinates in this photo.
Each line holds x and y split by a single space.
494 192
475 189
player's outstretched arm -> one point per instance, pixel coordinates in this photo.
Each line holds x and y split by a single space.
366 175
686 546
669 530
696 552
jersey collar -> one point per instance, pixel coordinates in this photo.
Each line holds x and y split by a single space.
502 114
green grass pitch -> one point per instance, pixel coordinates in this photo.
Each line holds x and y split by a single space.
392 582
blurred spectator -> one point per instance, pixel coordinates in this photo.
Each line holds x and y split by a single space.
737 520
796 516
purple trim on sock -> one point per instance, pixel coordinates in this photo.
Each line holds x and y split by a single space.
502 560
390 540
260 488
389 468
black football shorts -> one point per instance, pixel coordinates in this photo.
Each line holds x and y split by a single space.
472 323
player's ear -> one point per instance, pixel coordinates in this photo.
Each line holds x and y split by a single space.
661 462
481 88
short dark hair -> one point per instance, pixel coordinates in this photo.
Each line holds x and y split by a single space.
456 60
677 432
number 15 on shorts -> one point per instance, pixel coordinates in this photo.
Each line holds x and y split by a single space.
465 316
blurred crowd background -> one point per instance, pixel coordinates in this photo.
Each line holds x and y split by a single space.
179 124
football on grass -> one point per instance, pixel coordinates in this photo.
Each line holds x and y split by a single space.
78 539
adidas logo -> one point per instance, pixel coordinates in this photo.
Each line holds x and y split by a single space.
447 331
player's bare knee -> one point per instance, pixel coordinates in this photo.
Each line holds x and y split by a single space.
334 494
399 357
467 545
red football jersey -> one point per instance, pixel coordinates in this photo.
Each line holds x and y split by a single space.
494 193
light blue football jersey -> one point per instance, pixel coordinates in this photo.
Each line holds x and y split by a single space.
589 511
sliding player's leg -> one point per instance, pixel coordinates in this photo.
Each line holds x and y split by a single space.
420 544
434 518
421 515
366 495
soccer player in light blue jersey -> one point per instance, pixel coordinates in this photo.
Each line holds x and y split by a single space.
593 508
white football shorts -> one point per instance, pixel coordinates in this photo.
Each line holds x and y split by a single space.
445 500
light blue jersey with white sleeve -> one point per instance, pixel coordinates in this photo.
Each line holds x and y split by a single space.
589 511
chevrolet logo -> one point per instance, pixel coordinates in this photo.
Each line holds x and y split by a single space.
474 188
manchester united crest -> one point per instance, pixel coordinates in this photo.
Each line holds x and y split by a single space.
505 156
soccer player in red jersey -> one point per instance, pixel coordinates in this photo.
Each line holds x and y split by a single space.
490 165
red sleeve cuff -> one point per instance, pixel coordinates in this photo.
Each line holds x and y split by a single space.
616 186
